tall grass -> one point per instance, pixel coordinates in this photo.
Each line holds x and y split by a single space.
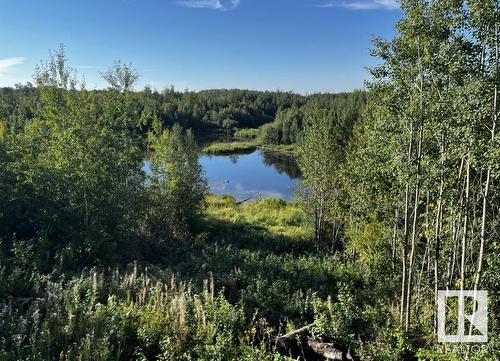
128 315
275 215
229 148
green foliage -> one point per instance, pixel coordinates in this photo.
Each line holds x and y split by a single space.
246 133
178 187
391 345
127 316
77 167
321 156
289 123
285 129
229 148
277 216
203 111
371 243
419 170
229 124
3 130
412 179
121 77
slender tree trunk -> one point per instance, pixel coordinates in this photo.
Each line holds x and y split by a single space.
320 218
414 231
479 270
335 233
420 278
452 262
394 237
406 231
466 224
456 231
417 196
427 258
438 227
86 202
316 225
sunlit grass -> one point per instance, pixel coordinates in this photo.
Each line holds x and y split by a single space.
274 215
229 148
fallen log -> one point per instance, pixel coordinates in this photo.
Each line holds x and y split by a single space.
243 201
299 332
298 343
327 350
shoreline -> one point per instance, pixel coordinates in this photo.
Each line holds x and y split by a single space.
245 147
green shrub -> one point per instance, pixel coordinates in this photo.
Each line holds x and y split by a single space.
249 133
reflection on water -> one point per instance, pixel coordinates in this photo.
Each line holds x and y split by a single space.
250 176
284 163
256 175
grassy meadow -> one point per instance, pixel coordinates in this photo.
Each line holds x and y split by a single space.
229 148
247 278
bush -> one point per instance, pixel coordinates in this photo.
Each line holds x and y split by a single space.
249 133
371 242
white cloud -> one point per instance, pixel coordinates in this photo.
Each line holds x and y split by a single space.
222 5
363 5
7 63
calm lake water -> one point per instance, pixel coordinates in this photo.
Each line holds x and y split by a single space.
253 176
256 175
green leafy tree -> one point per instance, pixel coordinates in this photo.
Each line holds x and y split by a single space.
178 186
121 77
321 155
78 169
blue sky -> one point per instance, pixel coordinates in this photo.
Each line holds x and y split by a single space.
300 45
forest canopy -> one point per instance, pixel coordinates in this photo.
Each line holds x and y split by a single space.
398 200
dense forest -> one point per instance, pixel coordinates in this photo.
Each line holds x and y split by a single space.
398 200
203 111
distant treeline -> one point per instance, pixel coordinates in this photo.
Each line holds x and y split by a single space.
282 113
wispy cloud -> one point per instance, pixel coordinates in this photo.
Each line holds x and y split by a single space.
363 4
222 5
8 63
